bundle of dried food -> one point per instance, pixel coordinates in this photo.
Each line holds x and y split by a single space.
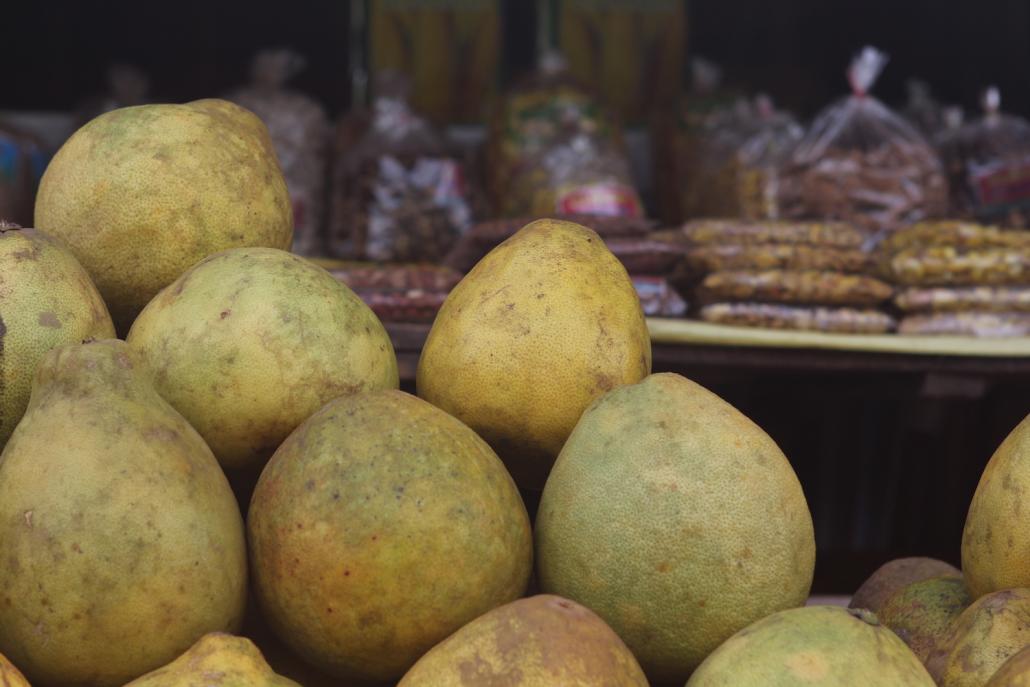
714 257
732 160
398 193
735 231
658 298
800 287
957 266
300 133
971 323
778 316
940 299
955 233
400 293
988 165
862 163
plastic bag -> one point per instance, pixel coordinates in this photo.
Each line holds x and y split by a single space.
840 320
398 195
862 163
981 324
300 133
715 257
961 298
806 286
745 232
759 157
957 266
988 162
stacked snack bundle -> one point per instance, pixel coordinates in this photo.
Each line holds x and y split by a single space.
554 150
781 275
988 164
399 194
299 128
861 163
960 278
400 292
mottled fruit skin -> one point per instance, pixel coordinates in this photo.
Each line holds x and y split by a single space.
381 526
996 540
817 646
541 641
46 299
250 342
216 660
922 612
544 324
1015 672
676 519
893 576
11 676
122 542
981 639
142 193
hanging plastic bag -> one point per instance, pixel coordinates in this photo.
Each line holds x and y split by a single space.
300 133
989 165
860 162
398 194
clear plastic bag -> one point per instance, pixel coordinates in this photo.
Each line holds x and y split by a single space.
398 195
300 133
772 316
988 162
980 324
963 298
860 162
804 286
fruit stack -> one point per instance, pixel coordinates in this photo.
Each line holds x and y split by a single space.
960 278
783 275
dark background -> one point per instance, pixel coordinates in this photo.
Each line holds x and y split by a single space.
796 50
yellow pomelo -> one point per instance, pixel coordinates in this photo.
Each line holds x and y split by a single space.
676 519
544 324
996 539
216 660
46 299
142 193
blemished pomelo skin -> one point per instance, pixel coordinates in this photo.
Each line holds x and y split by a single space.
820 646
251 341
895 575
46 299
996 538
381 526
216 660
989 632
676 519
122 541
1015 672
142 193
922 612
544 324
540 641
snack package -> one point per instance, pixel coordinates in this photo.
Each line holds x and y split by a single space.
707 172
808 287
644 256
981 324
962 298
300 133
988 163
836 234
398 195
957 266
954 233
658 298
400 293
773 316
861 163
760 156
716 257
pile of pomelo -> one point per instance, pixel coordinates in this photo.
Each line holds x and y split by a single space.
242 469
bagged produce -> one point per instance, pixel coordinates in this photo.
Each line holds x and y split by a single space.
862 163
776 316
715 257
957 266
807 286
962 298
988 163
300 133
985 324
837 234
398 194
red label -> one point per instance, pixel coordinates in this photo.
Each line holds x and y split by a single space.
604 198
1002 185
